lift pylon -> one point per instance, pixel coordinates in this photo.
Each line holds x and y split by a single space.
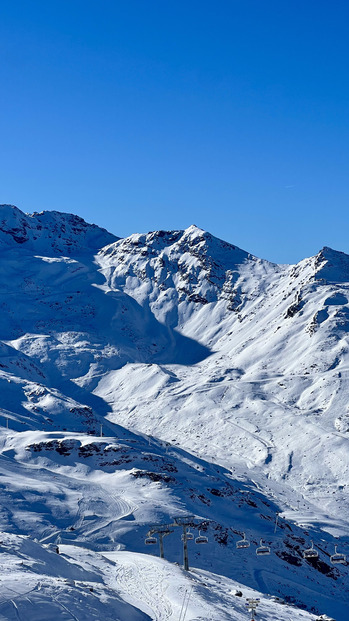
162 530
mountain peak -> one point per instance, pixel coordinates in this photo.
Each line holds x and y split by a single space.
332 265
193 229
9 209
50 232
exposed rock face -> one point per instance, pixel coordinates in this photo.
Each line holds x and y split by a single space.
50 232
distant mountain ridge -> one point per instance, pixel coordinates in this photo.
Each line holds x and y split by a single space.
50 231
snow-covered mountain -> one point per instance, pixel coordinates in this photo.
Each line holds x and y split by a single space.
51 232
220 380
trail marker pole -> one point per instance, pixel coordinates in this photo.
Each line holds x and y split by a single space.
186 606
252 606
183 603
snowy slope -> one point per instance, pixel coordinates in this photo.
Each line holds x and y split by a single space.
92 496
240 365
36 584
278 352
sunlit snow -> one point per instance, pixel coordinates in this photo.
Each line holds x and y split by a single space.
165 375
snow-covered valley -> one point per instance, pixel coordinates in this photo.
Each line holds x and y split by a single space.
219 383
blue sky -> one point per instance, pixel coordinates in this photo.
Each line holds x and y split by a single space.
156 114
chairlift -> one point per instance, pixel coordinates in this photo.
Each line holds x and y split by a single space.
201 538
337 557
262 550
310 552
190 535
150 540
243 543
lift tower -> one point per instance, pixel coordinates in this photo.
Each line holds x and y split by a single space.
162 530
185 522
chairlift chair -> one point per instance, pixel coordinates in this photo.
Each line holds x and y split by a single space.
262 550
150 540
201 538
243 543
337 557
190 535
310 552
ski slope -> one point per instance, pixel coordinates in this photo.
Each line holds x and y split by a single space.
219 382
37 584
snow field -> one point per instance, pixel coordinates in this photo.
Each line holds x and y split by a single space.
220 383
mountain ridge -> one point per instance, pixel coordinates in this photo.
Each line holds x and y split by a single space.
50 231
24 227
193 346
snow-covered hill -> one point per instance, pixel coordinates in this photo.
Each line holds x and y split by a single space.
220 381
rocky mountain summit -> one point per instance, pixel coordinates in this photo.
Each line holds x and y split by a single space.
50 232
219 381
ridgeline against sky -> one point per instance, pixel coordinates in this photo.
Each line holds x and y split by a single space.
153 115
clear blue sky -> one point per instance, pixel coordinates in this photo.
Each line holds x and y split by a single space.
148 114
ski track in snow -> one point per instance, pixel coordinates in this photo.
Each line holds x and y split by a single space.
150 594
